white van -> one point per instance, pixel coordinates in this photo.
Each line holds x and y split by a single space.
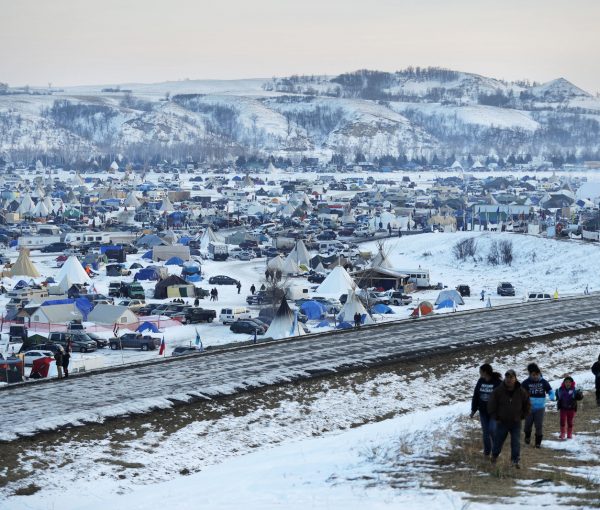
229 315
538 296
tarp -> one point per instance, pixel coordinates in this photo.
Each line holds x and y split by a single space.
313 310
382 308
147 273
344 325
174 261
147 255
323 324
84 305
147 326
447 303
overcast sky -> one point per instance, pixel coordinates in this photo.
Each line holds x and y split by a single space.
72 42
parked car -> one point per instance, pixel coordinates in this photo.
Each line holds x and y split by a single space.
222 280
316 277
135 341
30 356
505 289
400 299
363 232
248 327
100 342
133 304
229 315
538 296
114 289
464 290
79 340
54 248
327 235
182 351
117 270
194 315
260 298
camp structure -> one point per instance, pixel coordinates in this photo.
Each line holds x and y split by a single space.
24 266
351 307
112 314
72 273
285 323
276 264
338 282
173 287
422 309
166 252
300 254
208 237
451 295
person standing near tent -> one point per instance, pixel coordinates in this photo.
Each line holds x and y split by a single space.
508 405
487 383
239 286
357 320
537 387
58 358
65 361
596 372
389 228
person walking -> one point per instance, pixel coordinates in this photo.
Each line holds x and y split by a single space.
567 398
252 289
65 362
508 405
216 294
487 383
538 388
239 286
482 295
58 358
196 302
596 372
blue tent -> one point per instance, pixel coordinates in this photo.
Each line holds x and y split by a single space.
344 325
313 310
147 326
447 303
174 261
323 324
147 255
13 243
148 273
21 284
85 306
381 308
185 240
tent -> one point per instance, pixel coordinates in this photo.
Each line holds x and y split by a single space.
449 294
275 264
422 309
381 309
174 261
338 282
72 273
208 237
290 267
447 303
161 288
148 273
352 306
24 266
285 323
299 254
147 326
313 310
149 241
147 255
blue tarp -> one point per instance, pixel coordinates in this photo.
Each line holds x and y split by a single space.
323 324
149 240
174 261
148 273
381 308
344 325
13 243
83 305
147 326
21 284
147 255
104 249
185 240
447 303
313 310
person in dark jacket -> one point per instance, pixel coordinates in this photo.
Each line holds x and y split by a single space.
58 357
252 289
508 405
487 383
65 362
357 320
596 372
566 402
538 388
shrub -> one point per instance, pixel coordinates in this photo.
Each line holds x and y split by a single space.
465 248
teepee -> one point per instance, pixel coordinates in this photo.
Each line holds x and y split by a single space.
71 273
300 254
351 307
338 282
285 323
23 266
381 259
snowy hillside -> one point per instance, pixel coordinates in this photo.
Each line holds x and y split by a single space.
415 112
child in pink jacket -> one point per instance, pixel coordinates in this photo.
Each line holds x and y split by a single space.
567 398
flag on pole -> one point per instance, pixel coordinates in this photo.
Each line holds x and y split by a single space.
199 340
162 346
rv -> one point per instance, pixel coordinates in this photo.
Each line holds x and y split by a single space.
37 242
218 251
79 238
420 277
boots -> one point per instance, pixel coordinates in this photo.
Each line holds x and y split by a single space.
570 433
528 438
538 440
563 431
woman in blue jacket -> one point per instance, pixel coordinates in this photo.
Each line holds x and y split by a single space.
538 388
487 383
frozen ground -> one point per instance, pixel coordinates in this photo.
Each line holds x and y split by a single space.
260 451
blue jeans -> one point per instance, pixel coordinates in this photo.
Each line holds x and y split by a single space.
502 430
488 427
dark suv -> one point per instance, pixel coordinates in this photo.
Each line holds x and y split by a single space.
193 315
464 290
54 248
505 289
134 341
78 339
248 327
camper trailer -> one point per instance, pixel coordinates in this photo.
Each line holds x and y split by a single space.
420 277
218 251
37 242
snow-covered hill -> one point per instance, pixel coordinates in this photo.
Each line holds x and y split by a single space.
415 112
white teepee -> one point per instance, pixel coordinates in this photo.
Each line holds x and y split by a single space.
72 272
338 282
285 323
351 307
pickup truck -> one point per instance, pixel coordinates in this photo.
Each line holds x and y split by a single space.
260 298
194 315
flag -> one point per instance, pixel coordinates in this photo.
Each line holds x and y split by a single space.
162 347
198 340
254 340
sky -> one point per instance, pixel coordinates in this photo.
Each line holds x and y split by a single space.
80 42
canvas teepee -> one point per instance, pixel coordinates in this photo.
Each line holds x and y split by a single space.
71 273
285 323
23 266
352 306
338 282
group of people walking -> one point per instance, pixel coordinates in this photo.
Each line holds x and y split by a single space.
62 359
214 294
503 404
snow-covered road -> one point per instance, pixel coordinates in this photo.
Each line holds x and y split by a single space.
36 407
